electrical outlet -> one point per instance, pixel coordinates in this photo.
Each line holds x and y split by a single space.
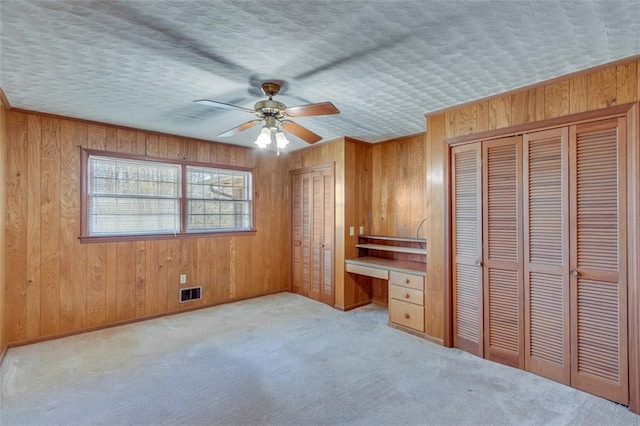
183 278
352 231
361 230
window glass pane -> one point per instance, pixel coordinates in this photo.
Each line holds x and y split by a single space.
129 197
219 199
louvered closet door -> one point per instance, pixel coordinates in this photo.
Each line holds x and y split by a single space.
467 248
502 238
598 259
307 220
296 232
315 291
327 246
546 254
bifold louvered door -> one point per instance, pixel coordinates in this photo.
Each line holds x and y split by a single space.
466 206
312 214
301 233
322 237
546 254
598 289
502 241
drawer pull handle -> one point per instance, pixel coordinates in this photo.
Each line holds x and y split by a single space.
406 295
407 280
406 316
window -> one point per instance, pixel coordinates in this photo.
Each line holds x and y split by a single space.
128 196
218 199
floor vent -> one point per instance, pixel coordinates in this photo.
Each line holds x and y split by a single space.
191 293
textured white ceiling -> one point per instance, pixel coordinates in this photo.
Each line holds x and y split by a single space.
383 63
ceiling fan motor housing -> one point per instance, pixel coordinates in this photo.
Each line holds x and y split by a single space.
269 107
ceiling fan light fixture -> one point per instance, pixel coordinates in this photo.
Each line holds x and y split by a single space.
264 138
281 140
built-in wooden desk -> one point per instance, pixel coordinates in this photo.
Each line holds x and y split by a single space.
402 262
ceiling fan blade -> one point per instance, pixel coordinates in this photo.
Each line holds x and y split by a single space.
222 105
238 129
324 108
300 131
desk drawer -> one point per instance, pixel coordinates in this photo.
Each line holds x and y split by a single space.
407 280
368 271
406 314
406 294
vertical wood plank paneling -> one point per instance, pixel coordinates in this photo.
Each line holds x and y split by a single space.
153 146
578 97
450 124
520 108
162 262
50 227
16 227
402 189
72 254
140 280
417 181
556 95
500 112
111 283
34 282
626 83
173 274
126 280
377 200
535 108
465 120
388 189
482 117
152 268
601 88
437 306
4 148
96 285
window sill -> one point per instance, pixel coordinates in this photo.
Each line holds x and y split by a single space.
122 238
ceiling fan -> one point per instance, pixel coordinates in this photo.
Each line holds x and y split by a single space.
276 117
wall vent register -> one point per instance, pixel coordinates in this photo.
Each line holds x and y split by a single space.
190 294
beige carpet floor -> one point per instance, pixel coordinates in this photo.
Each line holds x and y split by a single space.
278 360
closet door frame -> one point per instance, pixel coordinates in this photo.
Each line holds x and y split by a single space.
305 288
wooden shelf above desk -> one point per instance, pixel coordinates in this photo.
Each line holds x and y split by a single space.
396 249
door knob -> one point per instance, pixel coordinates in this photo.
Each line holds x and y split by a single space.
478 263
574 273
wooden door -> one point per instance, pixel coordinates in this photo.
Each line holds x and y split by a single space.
313 230
467 248
546 254
301 218
502 242
328 238
297 221
598 259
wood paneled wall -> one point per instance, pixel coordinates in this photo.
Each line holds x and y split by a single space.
352 166
55 285
614 84
3 210
398 198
